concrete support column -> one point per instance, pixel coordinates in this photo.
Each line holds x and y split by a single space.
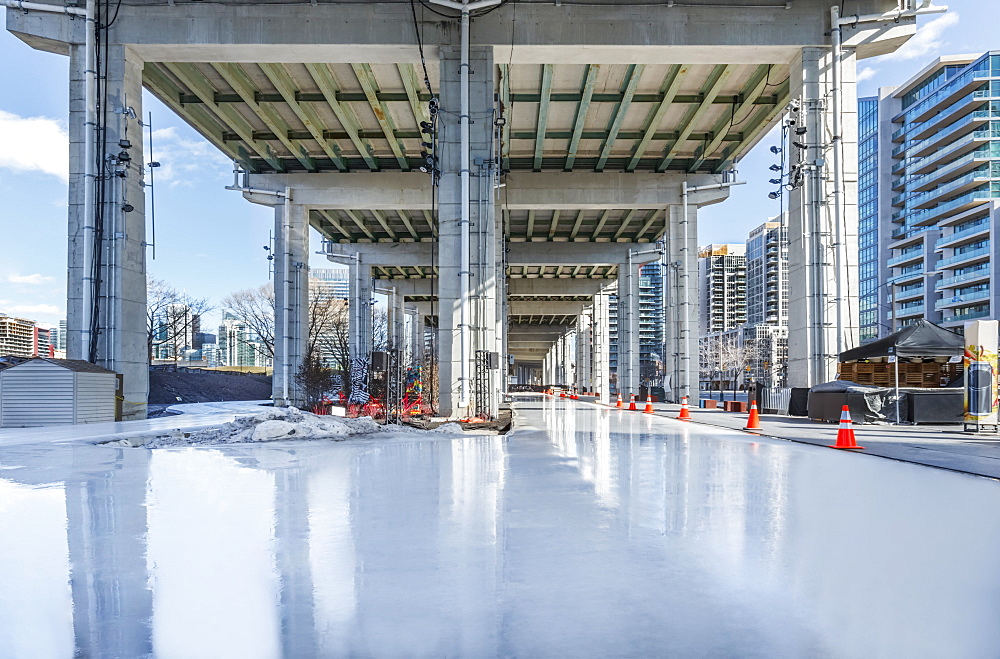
416 337
116 338
584 355
628 328
682 300
602 346
359 309
822 221
451 356
395 318
291 300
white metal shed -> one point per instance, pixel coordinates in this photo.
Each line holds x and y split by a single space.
45 392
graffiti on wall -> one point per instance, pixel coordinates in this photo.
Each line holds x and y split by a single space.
359 381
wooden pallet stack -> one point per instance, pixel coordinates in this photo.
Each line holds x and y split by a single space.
928 375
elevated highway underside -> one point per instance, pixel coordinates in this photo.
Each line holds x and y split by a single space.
562 145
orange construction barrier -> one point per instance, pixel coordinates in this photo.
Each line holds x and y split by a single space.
845 435
631 403
649 406
619 403
753 423
685 414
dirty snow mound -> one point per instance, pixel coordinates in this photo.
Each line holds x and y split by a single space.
275 424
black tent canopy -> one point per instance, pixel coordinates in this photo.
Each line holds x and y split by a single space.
921 339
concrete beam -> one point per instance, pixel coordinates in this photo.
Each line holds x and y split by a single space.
420 254
545 308
517 287
383 32
524 191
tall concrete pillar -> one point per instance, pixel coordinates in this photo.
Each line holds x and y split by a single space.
115 237
359 309
291 300
681 315
457 364
584 354
628 328
822 221
602 345
397 336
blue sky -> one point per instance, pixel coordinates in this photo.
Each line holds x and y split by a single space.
209 240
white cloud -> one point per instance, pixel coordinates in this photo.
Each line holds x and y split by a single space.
866 73
32 280
927 41
182 161
33 311
34 144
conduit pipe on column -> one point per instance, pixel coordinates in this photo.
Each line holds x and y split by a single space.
287 268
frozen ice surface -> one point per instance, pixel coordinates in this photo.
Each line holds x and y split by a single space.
587 532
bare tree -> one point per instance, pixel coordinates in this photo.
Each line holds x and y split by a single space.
254 307
172 317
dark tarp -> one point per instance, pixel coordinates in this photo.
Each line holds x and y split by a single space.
922 339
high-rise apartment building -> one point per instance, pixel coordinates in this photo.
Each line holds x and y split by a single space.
17 336
651 333
767 274
42 342
329 283
931 148
238 345
722 287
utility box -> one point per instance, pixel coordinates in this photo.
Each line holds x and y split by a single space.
45 392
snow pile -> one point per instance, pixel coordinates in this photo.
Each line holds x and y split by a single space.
275 424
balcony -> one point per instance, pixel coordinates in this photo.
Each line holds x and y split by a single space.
959 147
915 310
942 97
951 282
971 255
954 168
961 127
961 184
956 300
905 233
912 255
965 317
910 294
958 236
956 205
904 277
897 136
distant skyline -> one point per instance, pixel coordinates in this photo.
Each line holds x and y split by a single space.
210 241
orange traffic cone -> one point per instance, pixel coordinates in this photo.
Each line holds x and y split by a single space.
685 414
631 404
649 406
753 423
562 394
845 435
619 403
575 396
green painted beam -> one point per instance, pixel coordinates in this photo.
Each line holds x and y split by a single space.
411 83
380 218
237 78
757 124
527 135
576 225
629 85
201 120
554 225
369 84
323 77
408 223
282 81
531 223
429 219
335 223
196 81
716 80
671 84
359 222
647 224
754 88
589 78
543 114
600 223
624 224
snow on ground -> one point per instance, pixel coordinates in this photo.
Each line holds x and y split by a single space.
276 424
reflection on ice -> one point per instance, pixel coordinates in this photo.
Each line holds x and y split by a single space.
590 532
